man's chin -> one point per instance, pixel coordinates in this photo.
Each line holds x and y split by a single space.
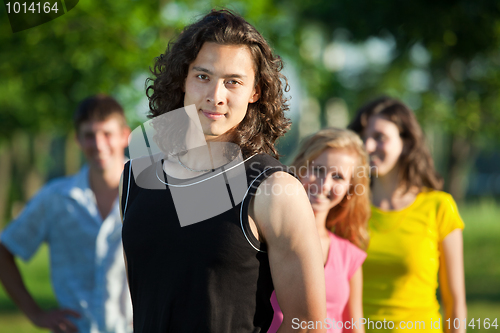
98 165
217 136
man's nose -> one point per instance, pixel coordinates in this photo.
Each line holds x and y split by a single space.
99 141
217 94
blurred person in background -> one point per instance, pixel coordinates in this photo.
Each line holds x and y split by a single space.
332 165
415 229
78 217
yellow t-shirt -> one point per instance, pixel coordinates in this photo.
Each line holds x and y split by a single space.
401 269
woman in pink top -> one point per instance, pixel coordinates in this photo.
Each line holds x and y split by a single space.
333 167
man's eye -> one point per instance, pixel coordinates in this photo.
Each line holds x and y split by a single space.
232 82
202 76
334 176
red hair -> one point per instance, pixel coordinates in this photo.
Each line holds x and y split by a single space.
348 219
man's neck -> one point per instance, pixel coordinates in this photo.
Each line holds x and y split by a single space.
104 184
105 181
207 157
199 158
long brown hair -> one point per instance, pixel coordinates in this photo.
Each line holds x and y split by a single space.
348 219
416 167
265 121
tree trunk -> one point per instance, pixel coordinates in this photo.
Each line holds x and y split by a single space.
72 155
36 175
5 181
462 159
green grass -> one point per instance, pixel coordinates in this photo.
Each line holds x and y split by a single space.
481 259
17 323
482 310
481 251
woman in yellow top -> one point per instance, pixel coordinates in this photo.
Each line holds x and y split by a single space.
415 229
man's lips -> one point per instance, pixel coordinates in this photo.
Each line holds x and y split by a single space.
212 115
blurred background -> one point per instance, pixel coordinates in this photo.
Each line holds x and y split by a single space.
440 57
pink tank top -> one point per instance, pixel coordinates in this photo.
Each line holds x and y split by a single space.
344 259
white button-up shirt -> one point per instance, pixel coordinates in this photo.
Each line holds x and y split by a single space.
86 256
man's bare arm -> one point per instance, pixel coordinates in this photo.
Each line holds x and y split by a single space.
14 285
285 220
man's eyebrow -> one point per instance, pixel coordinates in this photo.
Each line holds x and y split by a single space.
201 69
204 70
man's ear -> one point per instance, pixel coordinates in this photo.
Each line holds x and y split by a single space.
256 94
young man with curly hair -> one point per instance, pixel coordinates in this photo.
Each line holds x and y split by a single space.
218 275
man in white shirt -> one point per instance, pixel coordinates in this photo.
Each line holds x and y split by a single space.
79 218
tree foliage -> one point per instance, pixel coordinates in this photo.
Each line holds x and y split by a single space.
461 40
441 57
47 70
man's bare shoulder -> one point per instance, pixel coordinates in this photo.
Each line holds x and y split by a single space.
279 203
280 186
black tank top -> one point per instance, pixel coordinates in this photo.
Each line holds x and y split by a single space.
211 276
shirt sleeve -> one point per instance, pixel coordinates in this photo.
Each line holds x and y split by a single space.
24 235
448 218
357 257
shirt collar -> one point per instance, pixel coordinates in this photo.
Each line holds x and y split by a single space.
79 185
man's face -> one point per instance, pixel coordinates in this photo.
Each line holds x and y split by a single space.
103 142
221 83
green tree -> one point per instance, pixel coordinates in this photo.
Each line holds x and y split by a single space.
99 46
444 61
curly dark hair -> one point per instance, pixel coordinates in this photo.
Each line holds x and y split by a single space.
265 120
415 163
